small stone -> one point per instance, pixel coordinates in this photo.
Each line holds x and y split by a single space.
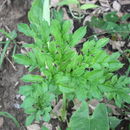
33 127
17 106
18 96
1 121
22 98
116 6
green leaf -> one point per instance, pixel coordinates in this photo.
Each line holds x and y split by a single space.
38 115
125 17
41 30
4 52
88 6
28 102
22 59
78 35
81 119
25 90
24 28
81 94
111 17
114 122
46 117
35 14
97 22
28 45
93 75
100 119
32 78
66 89
110 27
13 34
56 30
68 2
46 11
29 120
82 113
58 14
102 42
44 128
30 110
52 47
66 26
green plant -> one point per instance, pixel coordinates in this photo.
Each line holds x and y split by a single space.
112 24
99 119
63 71
6 114
10 39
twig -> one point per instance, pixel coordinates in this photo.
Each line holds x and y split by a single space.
7 28
1 7
11 63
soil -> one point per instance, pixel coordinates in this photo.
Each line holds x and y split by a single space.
13 12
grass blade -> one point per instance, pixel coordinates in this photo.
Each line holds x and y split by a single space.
6 114
3 52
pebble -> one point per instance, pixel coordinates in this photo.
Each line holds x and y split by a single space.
33 127
116 6
16 105
22 98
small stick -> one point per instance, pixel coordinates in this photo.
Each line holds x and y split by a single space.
11 63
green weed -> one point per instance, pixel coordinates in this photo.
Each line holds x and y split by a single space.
112 24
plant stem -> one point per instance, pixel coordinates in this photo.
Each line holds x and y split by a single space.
63 110
46 11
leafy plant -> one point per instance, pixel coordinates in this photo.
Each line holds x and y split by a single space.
112 24
6 114
63 71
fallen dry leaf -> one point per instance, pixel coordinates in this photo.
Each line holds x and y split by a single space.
117 44
93 103
124 2
113 108
104 3
54 3
56 109
90 1
1 121
77 104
